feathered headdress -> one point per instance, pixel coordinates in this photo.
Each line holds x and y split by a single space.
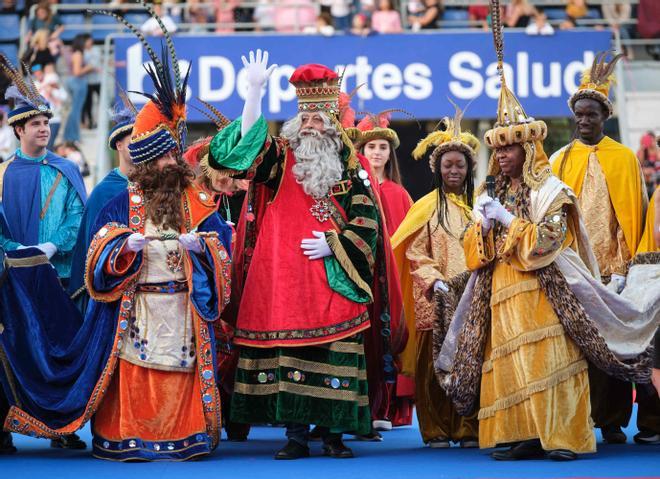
23 93
160 126
377 127
451 138
513 125
123 117
596 81
197 155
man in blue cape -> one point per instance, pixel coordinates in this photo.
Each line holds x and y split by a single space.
42 197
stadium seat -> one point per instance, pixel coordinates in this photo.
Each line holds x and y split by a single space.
10 27
455 15
555 13
103 25
137 19
72 19
593 14
11 51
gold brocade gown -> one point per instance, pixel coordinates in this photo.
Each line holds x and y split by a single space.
534 378
435 254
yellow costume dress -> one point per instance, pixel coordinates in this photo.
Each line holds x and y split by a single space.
534 382
426 253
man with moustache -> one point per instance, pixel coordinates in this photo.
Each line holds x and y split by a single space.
605 175
42 197
303 310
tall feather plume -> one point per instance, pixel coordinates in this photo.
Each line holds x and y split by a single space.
136 32
372 120
498 35
126 101
27 91
170 44
601 71
431 141
220 120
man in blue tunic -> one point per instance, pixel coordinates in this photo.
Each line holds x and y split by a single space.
42 197
114 183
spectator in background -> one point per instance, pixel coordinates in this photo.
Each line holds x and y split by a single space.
540 25
44 18
366 7
360 26
648 24
576 9
323 25
428 18
479 13
39 53
648 157
341 14
616 14
91 57
8 6
243 15
50 88
77 84
518 14
151 27
198 14
70 151
294 15
264 16
224 15
7 138
386 19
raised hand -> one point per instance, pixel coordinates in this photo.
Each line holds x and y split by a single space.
257 68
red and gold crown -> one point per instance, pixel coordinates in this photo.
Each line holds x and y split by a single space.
376 127
317 89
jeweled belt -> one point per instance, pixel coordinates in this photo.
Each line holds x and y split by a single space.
166 287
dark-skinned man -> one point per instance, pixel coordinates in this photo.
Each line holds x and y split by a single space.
606 177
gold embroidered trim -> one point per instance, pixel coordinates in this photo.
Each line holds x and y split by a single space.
364 222
301 390
3 170
347 265
306 366
514 290
360 244
534 388
343 347
361 200
526 338
26 262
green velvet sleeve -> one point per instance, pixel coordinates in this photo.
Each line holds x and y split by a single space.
354 247
254 156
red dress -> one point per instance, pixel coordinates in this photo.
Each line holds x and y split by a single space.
396 202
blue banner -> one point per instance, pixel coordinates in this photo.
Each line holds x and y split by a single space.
414 72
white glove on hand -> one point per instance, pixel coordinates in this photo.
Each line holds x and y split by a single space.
617 283
495 211
136 242
190 241
316 248
48 248
440 285
480 208
258 72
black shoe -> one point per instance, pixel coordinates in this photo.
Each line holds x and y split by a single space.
525 450
292 450
70 441
6 444
336 448
237 432
315 434
562 455
613 435
647 437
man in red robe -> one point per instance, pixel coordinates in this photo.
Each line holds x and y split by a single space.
303 322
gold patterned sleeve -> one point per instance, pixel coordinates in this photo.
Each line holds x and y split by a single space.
531 246
479 250
425 260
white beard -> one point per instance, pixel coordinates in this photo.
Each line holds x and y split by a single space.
318 163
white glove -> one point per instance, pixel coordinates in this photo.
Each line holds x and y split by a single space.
617 283
440 285
495 211
480 209
136 242
190 241
48 248
23 247
258 72
316 248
